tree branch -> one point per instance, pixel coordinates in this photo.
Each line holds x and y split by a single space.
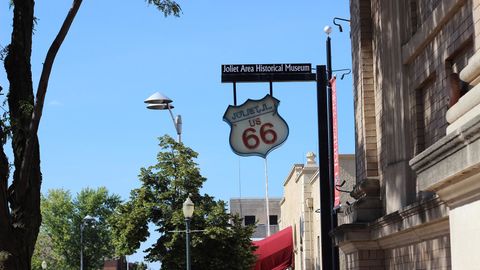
41 92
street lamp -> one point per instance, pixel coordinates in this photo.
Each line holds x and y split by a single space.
188 208
87 219
44 265
327 215
159 101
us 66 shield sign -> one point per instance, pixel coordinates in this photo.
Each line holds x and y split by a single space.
256 127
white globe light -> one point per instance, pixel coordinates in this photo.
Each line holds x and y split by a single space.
188 208
327 29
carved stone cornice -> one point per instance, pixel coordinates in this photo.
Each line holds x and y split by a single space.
422 220
367 205
451 166
367 187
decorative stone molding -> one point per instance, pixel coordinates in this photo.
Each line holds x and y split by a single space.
451 166
414 223
467 115
363 210
468 106
311 159
355 236
472 71
397 227
466 103
367 206
366 187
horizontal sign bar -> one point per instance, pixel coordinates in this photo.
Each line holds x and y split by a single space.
299 77
267 72
266 68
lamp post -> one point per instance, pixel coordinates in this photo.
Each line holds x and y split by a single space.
328 216
85 220
188 208
159 101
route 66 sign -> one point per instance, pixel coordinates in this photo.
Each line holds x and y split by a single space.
256 127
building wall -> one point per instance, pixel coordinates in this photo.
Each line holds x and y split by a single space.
429 254
412 67
256 207
117 264
364 90
301 203
297 212
416 69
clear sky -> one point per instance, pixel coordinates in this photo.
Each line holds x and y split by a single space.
96 130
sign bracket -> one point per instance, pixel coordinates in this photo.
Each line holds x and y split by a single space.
234 93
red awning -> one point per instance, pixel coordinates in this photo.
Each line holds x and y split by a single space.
275 252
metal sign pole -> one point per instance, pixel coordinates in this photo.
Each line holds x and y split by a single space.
333 215
324 170
267 205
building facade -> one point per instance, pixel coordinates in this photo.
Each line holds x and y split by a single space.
118 264
416 68
253 212
300 207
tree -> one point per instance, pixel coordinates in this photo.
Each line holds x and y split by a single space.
62 217
20 216
224 243
44 251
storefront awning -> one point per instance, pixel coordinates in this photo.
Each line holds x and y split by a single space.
275 252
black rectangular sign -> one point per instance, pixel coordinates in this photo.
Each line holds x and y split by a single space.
267 72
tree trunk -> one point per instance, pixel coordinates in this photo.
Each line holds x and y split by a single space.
20 226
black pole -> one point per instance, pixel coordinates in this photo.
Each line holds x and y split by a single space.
235 93
324 168
81 245
331 180
187 244
329 60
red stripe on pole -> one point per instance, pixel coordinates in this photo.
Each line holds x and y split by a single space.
336 163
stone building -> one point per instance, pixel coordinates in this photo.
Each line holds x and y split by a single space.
118 264
253 211
416 68
301 203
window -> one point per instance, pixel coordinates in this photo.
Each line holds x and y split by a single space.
414 16
274 220
249 220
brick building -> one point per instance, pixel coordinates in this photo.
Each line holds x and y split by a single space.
416 68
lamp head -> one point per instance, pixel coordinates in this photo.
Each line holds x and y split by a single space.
188 208
88 218
155 106
178 124
158 98
327 29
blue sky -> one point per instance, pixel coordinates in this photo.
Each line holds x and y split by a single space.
96 131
